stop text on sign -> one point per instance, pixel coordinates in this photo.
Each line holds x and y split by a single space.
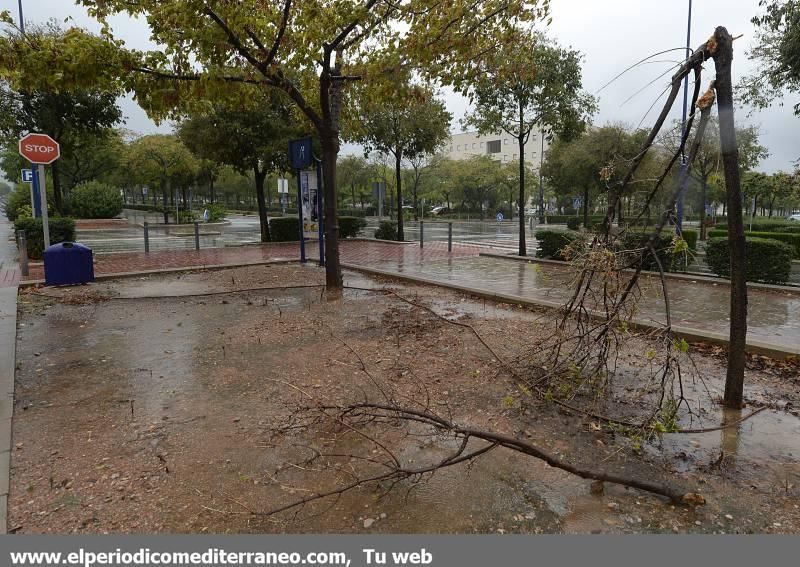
39 148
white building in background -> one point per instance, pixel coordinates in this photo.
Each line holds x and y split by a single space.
501 147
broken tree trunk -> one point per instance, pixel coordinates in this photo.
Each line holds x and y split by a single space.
734 382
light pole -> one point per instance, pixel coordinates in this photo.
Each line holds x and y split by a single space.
541 179
21 18
683 174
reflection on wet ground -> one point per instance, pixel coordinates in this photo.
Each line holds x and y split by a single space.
123 384
694 305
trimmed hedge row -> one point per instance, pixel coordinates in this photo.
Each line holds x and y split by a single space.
767 260
350 227
287 229
61 230
387 230
776 225
792 239
551 242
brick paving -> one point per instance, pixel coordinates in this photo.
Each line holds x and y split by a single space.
366 253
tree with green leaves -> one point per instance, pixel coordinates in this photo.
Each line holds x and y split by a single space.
354 175
253 140
776 51
71 116
531 85
162 159
228 50
580 167
410 124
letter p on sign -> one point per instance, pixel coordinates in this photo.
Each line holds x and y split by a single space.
39 149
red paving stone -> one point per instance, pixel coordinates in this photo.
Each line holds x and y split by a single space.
100 224
360 252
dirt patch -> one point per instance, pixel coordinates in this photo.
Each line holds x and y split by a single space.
160 414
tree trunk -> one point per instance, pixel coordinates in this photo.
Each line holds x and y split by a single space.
57 201
353 194
734 381
263 219
166 190
586 207
211 189
521 141
330 153
703 188
398 180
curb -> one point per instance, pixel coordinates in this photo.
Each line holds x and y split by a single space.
119 275
687 333
703 279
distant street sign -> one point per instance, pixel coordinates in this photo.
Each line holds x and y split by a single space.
577 202
300 153
39 148
283 186
27 176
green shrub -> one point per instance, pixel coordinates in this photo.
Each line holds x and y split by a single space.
767 260
551 242
668 253
19 197
61 230
573 223
216 212
761 225
95 200
284 229
350 227
185 217
387 230
791 228
792 239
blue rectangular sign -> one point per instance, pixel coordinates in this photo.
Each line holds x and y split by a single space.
27 176
300 153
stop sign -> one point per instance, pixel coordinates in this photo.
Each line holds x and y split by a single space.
39 148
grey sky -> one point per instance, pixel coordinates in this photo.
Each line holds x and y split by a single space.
612 34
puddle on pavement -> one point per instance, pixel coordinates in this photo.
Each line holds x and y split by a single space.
163 354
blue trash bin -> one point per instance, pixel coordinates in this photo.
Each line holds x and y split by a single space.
68 263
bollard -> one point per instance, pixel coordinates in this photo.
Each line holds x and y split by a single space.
421 233
22 242
450 237
146 237
196 235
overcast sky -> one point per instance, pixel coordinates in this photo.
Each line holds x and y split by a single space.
612 34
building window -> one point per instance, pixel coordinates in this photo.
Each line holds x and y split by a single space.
493 147
481 144
505 141
514 156
474 145
505 158
458 147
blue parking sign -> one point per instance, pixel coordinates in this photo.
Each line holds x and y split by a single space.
27 176
300 153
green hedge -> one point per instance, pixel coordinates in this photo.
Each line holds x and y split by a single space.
792 239
767 260
573 223
61 230
767 225
284 229
95 200
671 262
140 207
350 227
551 242
792 228
387 230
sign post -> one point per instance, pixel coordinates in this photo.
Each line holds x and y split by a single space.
40 149
299 159
27 177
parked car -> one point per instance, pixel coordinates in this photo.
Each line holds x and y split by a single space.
439 211
795 217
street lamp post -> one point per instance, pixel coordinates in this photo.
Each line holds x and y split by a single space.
21 18
683 175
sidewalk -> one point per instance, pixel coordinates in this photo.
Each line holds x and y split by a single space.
9 275
699 308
